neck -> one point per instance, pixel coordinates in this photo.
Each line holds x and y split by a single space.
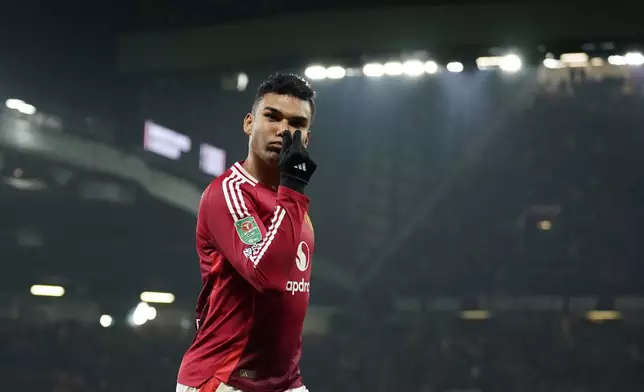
264 172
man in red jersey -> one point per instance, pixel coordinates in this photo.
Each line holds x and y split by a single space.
255 242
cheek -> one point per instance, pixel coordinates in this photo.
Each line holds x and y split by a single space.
258 137
255 138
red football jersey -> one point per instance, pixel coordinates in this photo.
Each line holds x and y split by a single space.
255 247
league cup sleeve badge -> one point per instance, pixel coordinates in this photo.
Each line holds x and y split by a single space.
248 231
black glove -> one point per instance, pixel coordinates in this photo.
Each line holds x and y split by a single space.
296 167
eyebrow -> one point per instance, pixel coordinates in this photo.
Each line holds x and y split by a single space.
274 110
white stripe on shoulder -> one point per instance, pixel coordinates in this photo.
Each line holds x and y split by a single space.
225 186
233 194
270 234
240 197
255 259
237 167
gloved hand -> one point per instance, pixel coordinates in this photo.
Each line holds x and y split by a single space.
296 167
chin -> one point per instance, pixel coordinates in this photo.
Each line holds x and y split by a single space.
272 158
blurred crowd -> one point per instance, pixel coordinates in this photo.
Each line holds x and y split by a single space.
430 353
423 353
72 357
571 159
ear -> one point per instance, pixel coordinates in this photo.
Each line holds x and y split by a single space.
248 123
307 139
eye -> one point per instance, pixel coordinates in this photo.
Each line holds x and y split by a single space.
272 116
298 124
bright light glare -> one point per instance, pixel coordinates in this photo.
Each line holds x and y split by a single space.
393 68
42 290
157 297
373 70
21 106
575 60
28 109
13 103
315 72
242 81
616 60
475 314
454 66
553 63
634 58
603 315
413 68
431 67
544 225
139 319
142 314
511 63
596 61
574 57
106 320
488 62
335 72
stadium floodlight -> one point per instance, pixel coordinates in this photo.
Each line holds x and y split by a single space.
596 61
373 70
488 62
242 81
315 72
553 63
575 60
544 225
393 68
476 314
157 297
510 63
413 68
431 67
603 315
634 58
454 66
141 314
335 72
106 321
150 313
616 60
21 106
42 290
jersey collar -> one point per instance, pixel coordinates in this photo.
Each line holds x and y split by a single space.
244 173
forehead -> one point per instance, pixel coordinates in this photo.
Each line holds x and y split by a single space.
287 104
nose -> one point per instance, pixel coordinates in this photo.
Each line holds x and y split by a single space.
284 127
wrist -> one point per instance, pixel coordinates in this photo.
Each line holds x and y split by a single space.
292 182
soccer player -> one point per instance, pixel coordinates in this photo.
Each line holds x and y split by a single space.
255 241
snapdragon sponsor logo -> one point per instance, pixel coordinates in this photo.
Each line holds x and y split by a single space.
302 261
298 287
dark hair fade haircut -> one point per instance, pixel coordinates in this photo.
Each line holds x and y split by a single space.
287 84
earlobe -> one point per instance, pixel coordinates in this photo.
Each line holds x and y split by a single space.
248 124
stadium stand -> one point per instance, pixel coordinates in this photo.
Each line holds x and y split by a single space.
521 272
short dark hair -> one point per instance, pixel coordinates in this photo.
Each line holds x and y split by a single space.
287 84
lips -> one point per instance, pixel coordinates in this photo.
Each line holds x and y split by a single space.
275 147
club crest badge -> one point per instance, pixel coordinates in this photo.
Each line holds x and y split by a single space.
248 231
308 221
